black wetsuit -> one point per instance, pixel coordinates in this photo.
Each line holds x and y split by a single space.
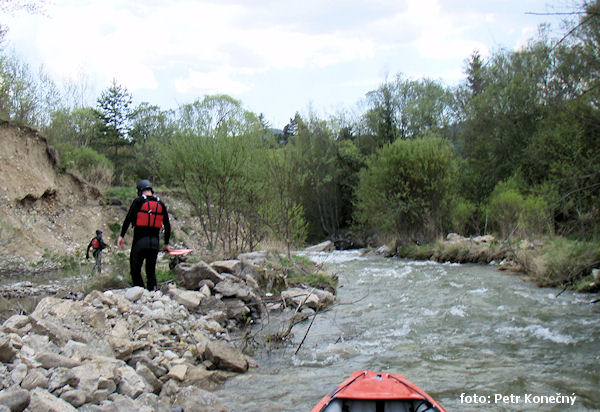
145 244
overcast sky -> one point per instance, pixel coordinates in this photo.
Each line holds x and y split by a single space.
276 56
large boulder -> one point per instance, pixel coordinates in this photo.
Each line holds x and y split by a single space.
190 276
188 298
315 299
226 357
233 266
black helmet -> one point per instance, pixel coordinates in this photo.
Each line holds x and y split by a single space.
143 185
98 232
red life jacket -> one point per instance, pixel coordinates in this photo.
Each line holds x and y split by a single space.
95 243
151 214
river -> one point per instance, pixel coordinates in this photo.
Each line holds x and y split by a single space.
471 336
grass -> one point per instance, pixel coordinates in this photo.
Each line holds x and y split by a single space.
300 269
568 263
125 194
558 262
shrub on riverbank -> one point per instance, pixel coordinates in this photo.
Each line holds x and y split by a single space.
550 262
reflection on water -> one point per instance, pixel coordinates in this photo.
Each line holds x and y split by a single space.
451 329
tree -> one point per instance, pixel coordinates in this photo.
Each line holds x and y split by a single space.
280 210
152 128
291 129
77 127
210 156
314 153
405 109
406 188
115 111
475 74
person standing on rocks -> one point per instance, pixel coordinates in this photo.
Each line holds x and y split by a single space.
97 244
147 214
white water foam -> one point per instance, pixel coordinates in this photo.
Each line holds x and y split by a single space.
458 311
537 331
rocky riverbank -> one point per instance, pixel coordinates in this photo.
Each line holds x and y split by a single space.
135 350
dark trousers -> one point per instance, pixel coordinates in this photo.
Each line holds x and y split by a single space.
145 249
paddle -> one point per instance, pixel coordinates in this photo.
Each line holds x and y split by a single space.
178 252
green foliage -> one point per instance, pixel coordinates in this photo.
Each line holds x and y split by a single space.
406 187
314 156
26 98
403 109
512 213
77 127
301 270
93 166
163 276
463 216
279 209
214 157
568 262
115 112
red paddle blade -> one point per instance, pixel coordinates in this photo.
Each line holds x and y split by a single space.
177 252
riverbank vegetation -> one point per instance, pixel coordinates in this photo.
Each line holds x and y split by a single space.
513 150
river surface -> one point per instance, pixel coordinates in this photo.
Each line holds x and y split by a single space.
471 336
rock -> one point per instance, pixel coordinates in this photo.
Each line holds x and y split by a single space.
7 351
15 323
188 298
50 360
327 246
134 293
42 400
226 357
484 239
315 299
241 291
233 266
62 377
236 309
200 376
130 383
455 237
253 258
191 398
16 399
36 378
75 397
384 250
98 378
143 359
190 275
178 372
18 373
57 333
149 377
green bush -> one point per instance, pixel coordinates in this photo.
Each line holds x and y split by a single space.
406 188
93 166
510 212
463 216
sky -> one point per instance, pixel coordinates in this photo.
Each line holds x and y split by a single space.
277 57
